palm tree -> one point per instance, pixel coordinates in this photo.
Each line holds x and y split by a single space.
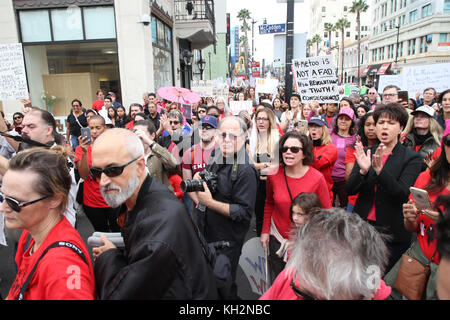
244 15
330 28
317 39
357 7
309 43
342 24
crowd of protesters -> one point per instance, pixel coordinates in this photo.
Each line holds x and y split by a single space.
327 183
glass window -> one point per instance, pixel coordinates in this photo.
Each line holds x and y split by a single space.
154 37
412 16
447 6
426 11
160 33
66 24
35 26
162 64
168 37
443 37
99 23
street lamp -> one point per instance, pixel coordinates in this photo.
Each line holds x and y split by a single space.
396 49
201 66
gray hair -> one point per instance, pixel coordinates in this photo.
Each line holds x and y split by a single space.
241 122
176 114
340 255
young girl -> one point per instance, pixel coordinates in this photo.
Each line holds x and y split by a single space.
303 207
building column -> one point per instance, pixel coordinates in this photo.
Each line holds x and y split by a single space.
134 43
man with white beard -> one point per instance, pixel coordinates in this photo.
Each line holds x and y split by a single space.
163 257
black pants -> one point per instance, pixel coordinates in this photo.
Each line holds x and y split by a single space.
259 206
276 264
233 253
103 219
339 190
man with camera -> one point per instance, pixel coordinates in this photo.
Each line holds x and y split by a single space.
226 204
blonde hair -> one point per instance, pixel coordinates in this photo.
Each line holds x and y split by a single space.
272 134
434 128
326 137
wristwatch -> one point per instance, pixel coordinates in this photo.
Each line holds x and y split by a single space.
152 144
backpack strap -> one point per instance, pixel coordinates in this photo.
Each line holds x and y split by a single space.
56 244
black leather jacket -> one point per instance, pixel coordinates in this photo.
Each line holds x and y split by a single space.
162 259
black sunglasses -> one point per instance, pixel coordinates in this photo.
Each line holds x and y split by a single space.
19 117
293 149
111 172
16 205
300 293
206 127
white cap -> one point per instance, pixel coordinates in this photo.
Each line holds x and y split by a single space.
425 109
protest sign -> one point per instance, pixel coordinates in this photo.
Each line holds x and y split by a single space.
315 79
13 81
263 85
238 106
387 80
203 88
253 262
187 110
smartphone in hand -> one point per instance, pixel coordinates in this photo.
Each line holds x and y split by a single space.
421 199
86 132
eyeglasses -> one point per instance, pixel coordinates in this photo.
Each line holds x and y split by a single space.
174 122
15 118
201 111
215 115
389 95
17 205
300 293
111 172
262 119
371 92
231 136
206 127
293 149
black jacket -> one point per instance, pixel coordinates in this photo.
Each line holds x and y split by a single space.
240 194
162 259
398 174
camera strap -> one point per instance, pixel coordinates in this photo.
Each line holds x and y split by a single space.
56 244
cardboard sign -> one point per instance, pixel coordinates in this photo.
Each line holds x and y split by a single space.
253 262
204 88
264 85
13 80
315 79
238 106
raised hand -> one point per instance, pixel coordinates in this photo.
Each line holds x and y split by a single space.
363 159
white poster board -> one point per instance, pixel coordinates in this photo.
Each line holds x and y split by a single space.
238 106
315 79
417 78
204 88
254 264
2 230
266 85
13 80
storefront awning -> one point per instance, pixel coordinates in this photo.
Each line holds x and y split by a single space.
384 68
363 71
372 69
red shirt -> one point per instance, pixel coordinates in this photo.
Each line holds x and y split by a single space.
278 200
351 158
61 274
98 104
427 225
196 159
130 125
92 196
324 159
175 181
281 289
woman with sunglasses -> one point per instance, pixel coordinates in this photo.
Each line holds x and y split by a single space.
35 192
263 150
101 216
436 182
17 122
294 176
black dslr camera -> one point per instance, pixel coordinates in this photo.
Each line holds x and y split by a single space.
197 185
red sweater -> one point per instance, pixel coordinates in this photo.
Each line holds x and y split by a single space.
278 201
281 289
61 274
427 225
324 159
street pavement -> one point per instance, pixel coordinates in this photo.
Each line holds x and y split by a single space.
84 227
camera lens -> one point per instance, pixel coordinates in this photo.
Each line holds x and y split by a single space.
191 185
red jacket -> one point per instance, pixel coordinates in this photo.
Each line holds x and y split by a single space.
324 159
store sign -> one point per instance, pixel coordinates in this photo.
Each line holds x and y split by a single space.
315 79
13 80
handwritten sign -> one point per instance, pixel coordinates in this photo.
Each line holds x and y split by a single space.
417 78
315 79
254 264
13 81
238 106
263 85
202 87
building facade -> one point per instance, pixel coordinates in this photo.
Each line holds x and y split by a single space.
408 33
74 47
